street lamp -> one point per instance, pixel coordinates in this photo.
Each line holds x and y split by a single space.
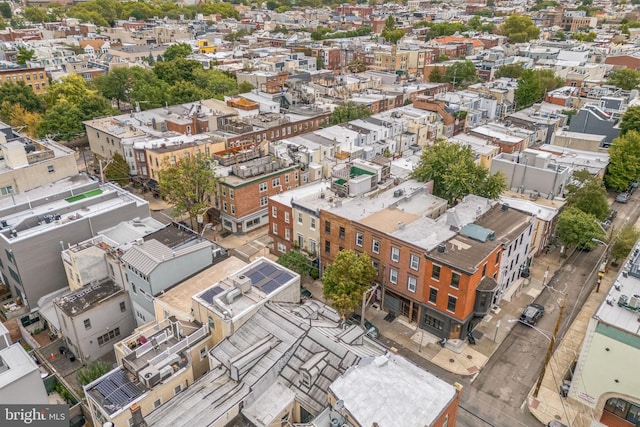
599 263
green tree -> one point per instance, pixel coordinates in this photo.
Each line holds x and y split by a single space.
177 51
624 242
176 70
5 10
20 93
391 33
117 170
435 75
624 161
118 83
25 55
624 78
245 87
71 88
356 66
560 35
529 89
92 371
512 71
519 29
62 122
296 261
347 279
576 228
348 111
35 14
455 174
185 91
187 184
630 120
588 194
461 74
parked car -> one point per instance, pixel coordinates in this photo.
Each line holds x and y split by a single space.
606 224
623 197
612 215
305 294
555 423
532 314
370 329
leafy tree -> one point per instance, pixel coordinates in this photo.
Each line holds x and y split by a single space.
624 242
176 70
560 35
624 161
356 66
461 74
549 80
62 121
118 83
245 87
236 35
5 10
625 78
512 71
92 371
390 32
533 85
435 75
347 279
348 111
95 105
19 117
455 174
576 228
177 51
630 120
25 55
588 194
187 184
584 37
272 4
71 88
35 14
117 170
296 261
185 91
20 93
519 29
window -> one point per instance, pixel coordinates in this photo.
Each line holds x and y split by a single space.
312 246
451 304
212 323
455 280
274 212
411 284
433 295
112 334
133 289
415 262
393 276
282 248
87 323
327 227
178 389
203 352
299 217
497 258
224 206
6 190
275 228
233 209
50 169
286 217
342 233
375 246
264 201
300 240
275 182
123 307
157 404
435 272
359 239
287 234
433 322
327 246
395 254
313 224
224 191
263 186
286 179
484 270
231 193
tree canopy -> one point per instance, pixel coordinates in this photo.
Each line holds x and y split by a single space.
588 194
92 371
455 174
624 161
187 184
180 50
519 29
348 111
533 85
117 170
513 71
347 279
576 229
391 33
296 261
461 74
630 120
624 242
625 78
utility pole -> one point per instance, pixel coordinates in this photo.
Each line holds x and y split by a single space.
552 342
102 168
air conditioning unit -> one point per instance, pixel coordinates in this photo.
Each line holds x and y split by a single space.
149 376
166 372
242 282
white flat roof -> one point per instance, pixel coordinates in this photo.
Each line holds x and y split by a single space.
19 364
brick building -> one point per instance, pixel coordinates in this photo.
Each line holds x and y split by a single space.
35 78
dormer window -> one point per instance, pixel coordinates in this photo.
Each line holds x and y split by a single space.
305 379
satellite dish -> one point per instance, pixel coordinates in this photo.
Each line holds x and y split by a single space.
340 404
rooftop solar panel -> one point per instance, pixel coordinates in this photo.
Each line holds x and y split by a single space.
210 294
118 389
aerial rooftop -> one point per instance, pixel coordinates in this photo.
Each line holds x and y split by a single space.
83 299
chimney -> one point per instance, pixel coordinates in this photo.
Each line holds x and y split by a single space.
136 416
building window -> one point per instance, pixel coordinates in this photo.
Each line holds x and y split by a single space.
415 262
455 280
133 289
393 276
233 209
275 182
433 295
327 227
274 212
435 272
395 254
341 233
157 404
411 284
109 336
282 248
286 217
231 193
178 389
312 246
497 258
299 217
50 169
359 239
313 224
123 307
484 270
263 186
327 246
286 179
87 323
275 228
375 246
451 303
203 352
224 191
224 206
433 322
264 201
287 234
